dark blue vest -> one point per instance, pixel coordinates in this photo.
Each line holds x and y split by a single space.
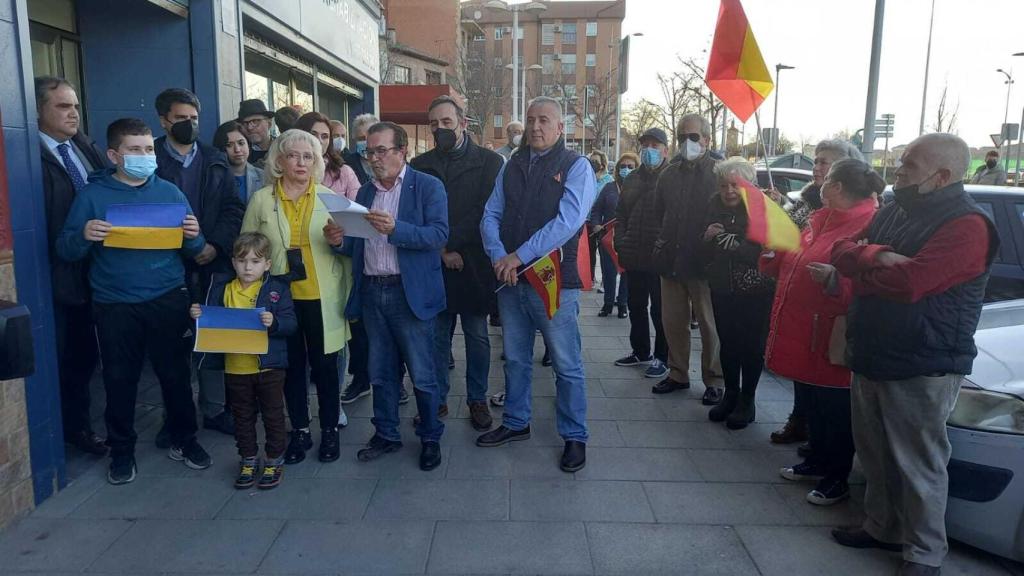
889 340
532 196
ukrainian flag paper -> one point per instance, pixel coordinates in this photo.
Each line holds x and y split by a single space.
145 226
231 330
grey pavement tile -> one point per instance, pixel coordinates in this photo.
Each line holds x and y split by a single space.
72 496
963 560
302 499
806 551
544 432
630 384
187 498
674 434
742 465
37 544
510 547
404 463
546 389
190 546
685 407
519 460
848 513
772 410
718 503
569 500
653 464
604 342
359 428
756 437
667 549
606 355
623 409
378 546
440 500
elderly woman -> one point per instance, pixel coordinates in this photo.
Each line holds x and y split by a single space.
807 334
826 153
740 295
337 175
601 215
303 238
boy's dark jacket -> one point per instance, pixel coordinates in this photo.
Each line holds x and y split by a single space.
276 297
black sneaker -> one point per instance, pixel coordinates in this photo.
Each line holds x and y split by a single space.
633 360
191 453
377 447
122 470
803 472
271 476
246 474
299 441
605 312
328 445
574 456
829 492
623 313
354 392
669 385
502 435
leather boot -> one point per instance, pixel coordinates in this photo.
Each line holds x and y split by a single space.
744 413
723 409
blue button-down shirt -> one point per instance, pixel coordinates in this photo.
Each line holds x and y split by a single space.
580 193
185 159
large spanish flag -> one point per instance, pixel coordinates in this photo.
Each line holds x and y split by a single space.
232 330
768 224
545 275
145 226
736 71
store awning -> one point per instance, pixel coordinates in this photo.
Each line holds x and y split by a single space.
407 104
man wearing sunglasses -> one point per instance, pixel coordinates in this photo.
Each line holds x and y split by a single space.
682 194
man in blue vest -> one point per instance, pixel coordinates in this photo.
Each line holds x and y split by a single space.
919 272
540 202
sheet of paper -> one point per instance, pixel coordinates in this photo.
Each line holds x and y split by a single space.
349 215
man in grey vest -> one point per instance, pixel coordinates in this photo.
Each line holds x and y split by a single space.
919 272
540 202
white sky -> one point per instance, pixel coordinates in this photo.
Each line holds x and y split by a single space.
829 42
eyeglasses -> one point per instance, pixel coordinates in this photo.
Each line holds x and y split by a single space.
253 122
692 137
379 151
295 157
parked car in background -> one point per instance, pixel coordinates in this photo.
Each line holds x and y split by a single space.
789 181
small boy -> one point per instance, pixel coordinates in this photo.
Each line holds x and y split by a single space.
255 383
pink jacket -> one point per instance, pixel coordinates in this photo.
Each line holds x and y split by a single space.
344 184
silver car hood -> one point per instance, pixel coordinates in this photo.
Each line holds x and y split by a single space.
999 366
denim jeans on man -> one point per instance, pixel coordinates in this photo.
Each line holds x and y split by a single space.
478 354
395 335
522 314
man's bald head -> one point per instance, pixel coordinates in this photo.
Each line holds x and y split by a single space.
933 161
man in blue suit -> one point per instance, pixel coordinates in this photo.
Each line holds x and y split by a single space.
399 288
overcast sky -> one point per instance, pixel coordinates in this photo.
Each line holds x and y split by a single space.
829 42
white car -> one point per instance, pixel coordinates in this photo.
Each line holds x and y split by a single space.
986 472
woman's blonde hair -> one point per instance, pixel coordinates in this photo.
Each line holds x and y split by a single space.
736 165
282 145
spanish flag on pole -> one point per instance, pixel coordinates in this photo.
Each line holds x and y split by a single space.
768 224
736 71
545 275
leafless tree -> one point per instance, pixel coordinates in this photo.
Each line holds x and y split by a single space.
638 118
707 104
945 119
483 83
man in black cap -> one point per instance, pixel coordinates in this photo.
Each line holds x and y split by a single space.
255 120
636 229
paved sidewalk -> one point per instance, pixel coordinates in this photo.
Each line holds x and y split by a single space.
664 491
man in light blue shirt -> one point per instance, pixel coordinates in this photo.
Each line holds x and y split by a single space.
540 202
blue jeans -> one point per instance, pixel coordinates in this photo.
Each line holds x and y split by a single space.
395 334
522 314
609 273
478 354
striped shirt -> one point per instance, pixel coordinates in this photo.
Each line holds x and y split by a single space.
380 257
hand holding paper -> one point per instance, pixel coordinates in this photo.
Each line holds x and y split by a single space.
351 217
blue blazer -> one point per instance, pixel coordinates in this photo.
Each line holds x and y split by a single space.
421 230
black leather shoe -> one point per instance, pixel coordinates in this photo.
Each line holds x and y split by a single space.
859 538
502 435
574 457
328 445
669 385
623 313
299 442
89 443
377 447
605 311
430 456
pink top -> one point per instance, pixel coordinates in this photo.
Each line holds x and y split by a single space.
380 255
345 184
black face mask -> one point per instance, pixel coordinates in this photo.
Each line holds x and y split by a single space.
185 132
909 197
445 139
991 163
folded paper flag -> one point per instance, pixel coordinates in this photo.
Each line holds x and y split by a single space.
231 330
145 226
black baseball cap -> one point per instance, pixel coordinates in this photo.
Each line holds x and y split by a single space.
655 134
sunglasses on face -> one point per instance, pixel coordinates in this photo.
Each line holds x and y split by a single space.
692 137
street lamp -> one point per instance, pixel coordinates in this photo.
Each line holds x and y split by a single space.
618 98
515 9
775 115
1006 113
522 86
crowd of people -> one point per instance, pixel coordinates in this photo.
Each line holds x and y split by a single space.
872 318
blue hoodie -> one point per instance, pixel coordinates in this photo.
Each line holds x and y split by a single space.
119 275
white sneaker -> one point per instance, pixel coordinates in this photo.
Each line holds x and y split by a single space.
342 418
498 399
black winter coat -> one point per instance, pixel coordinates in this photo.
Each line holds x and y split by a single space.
469 180
732 260
682 197
70 279
637 222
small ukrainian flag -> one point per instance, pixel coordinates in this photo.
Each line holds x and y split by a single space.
231 330
145 226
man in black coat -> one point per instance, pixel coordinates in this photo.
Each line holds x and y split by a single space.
468 173
203 174
68 157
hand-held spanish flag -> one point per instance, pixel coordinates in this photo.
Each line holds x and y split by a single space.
231 330
608 241
736 71
583 261
145 226
545 275
768 224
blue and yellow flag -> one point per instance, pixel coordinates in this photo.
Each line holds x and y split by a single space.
145 226
231 330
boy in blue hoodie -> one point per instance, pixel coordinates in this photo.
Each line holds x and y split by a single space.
139 298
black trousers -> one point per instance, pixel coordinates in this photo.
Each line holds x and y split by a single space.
306 347
359 355
742 323
77 356
801 400
644 287
831 431
128 333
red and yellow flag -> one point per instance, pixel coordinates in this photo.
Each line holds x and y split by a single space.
736 71
608 241
768 224
545 275
583 261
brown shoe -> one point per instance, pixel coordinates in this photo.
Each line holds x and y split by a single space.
795 430
480 416
442 411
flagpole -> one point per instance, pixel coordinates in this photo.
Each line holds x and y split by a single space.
757 119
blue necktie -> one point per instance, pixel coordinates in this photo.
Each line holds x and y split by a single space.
76 177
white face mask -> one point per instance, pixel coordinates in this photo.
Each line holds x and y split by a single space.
517 139
339 143
693 150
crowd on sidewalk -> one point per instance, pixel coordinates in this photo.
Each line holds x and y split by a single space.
872 318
